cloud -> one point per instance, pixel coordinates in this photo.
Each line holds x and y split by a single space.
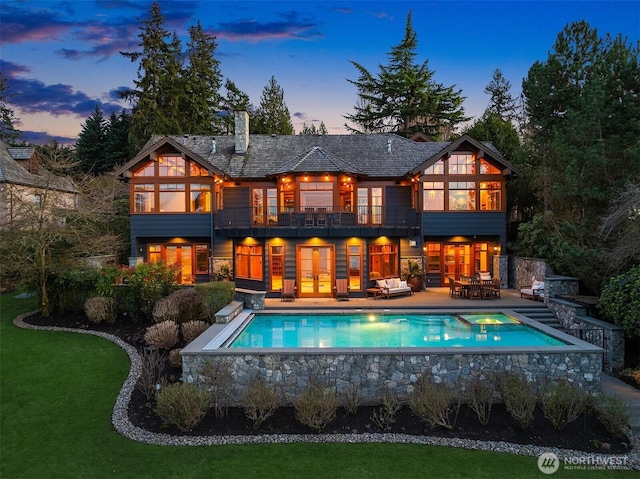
42 138
21 25
34 96
291 26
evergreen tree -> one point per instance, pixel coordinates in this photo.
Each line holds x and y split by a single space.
584 136
404 98
272 116
89 150
8 133
501 102
312 130
117 150
235 99
157 93
202 81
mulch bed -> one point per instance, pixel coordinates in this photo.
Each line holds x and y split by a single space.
586 434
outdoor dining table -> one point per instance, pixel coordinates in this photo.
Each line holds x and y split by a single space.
486 287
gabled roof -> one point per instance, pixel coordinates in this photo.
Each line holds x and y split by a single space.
375 156
316 160
13 172
464 143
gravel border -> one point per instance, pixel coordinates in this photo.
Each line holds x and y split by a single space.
123 425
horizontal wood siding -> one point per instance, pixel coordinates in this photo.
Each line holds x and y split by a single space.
398 209
236 200
170 225
465 224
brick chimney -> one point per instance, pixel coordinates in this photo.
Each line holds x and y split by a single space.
242 131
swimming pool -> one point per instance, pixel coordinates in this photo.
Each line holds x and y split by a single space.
387 331
330 353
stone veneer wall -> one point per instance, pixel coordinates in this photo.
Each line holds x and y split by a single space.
251 299
290 373
605 335
521 270
501 269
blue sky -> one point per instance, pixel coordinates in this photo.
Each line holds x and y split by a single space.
61 58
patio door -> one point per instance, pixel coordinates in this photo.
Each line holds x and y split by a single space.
181 256
457 261
315 271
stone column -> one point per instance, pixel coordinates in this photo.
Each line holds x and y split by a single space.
501 269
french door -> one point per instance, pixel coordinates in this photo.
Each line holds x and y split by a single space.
181 256
315 271
457 261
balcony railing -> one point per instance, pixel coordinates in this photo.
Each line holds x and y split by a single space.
315 216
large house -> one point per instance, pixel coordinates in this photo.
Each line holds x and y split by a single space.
317 208
28 190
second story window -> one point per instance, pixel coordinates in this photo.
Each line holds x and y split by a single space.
433 195
144 198
200 199
462 195
171 166
172 198
462 164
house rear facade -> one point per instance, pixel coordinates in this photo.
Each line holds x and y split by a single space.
317 208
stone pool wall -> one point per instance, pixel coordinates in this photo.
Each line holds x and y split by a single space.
291 372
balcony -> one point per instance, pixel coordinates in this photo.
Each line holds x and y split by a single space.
310 220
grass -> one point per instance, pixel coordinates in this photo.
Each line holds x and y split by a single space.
57 391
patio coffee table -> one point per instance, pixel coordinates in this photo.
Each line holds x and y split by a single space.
375 292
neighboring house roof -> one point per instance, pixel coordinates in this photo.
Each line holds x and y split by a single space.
12 172
372 155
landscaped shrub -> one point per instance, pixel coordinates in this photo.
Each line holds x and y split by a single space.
147 284
562 403
183 405
351 399
480 399
620 301
519 398
163 335
614 413
153 362
192 329
259 402
435 404
100 309
317 406
70 287
174 358
215 296
385 415
219 383
180 306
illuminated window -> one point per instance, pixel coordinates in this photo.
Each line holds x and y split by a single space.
196 170
433 257
435 169
144 198
354 260
172 198
249 262
148 169
383 261
462 195
171 166
461 164
491 196
200 199
433 196
202 258
487 168
276 266
154 253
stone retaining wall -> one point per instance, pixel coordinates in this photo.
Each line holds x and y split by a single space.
605 335
290 373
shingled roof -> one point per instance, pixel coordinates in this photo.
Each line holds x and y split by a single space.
12 172
376 156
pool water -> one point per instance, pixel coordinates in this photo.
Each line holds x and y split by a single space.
388 331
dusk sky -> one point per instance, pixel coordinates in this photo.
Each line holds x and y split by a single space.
61 58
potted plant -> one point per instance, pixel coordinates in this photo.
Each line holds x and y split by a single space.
224 272
414 275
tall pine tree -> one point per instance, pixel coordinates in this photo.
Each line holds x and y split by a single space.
235 99
202 80
158 87
272 116
8 133
403 97
90 151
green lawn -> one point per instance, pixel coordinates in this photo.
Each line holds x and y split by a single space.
56 396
